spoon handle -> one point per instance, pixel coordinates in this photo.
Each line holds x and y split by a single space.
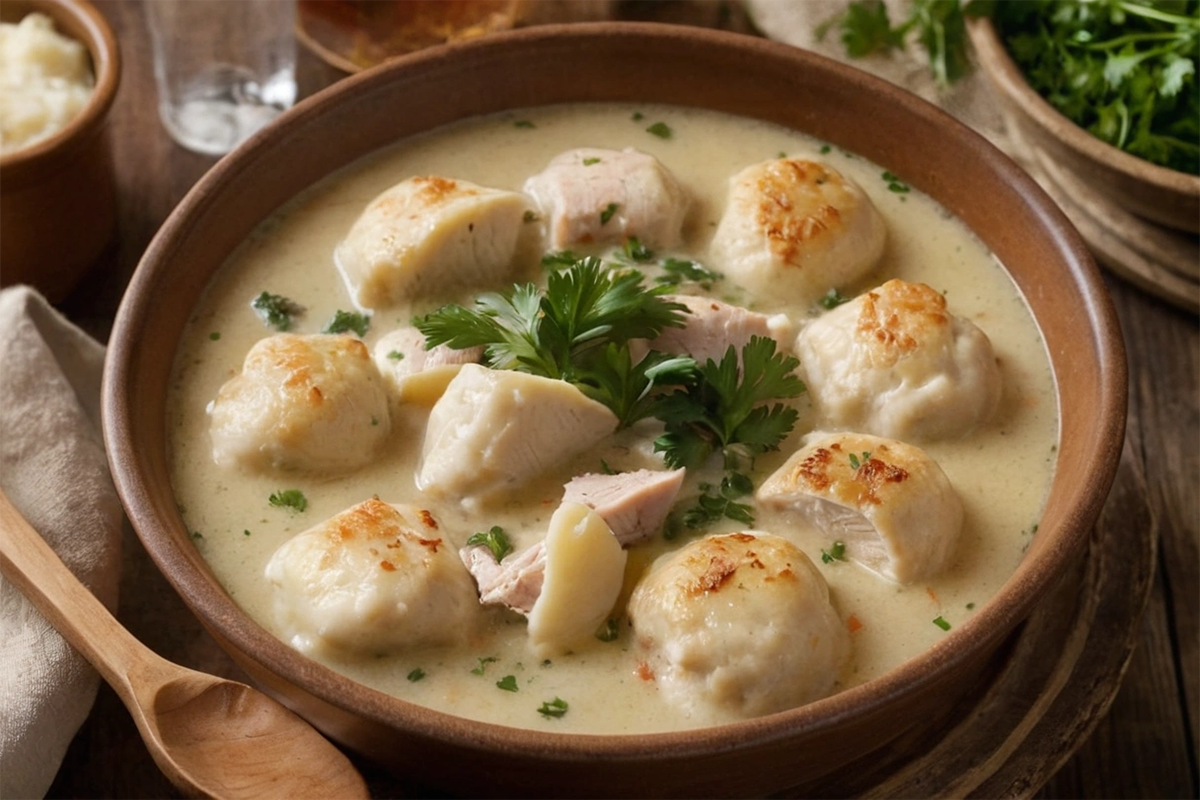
34 568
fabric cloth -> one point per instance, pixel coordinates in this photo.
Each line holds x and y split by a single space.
53 469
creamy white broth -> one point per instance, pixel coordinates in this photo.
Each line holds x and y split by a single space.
1001 471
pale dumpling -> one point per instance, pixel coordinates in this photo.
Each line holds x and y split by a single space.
595 196
888 502
740 623
430 234
369 580
493 430
310 403
793 229
895 362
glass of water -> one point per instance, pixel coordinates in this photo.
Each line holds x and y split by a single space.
224 68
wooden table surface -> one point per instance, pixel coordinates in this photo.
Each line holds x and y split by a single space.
1146 746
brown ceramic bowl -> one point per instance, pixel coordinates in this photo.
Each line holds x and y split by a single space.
631 63
1165 196
57 197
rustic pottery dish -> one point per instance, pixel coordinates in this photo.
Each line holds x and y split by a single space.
1165 196
629 63
57 198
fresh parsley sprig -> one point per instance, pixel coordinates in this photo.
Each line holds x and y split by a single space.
577 329
724 409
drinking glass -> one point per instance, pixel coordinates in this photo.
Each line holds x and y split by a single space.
224 68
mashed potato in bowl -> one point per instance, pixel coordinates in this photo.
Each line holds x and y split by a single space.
46 80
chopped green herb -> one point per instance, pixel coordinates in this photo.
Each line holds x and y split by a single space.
837 552
970 606
553 708
636 251
638 116
395 355
346 321
482 666
246 532
416 675
523 123
495 540
587 162
276 310
215 336
895 184
717 502
197 535
508 683
293 499
781 154
561 259
825 149
856 462
832 299
606 469
678 270
941 623
609 632
530 216
608 212
660 129
374 420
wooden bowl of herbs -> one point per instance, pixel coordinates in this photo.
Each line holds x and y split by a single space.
1108 95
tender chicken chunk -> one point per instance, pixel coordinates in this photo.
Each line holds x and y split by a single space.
739 622
419 375
793 229
887 501
370 580
585 567
712 326
494 429
429 234
594 196
896 363
311 403
633 504
515 582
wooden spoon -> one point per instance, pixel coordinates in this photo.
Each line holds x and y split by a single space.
212 737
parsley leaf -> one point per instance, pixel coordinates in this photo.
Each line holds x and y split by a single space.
723 410
495 540
660 129
717 502
607 213
508 683
293 499
837 552
553 708
481 667
348 321
832 299
276 310
678 270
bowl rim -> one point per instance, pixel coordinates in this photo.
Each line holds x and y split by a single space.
218 611
1007 76
101 43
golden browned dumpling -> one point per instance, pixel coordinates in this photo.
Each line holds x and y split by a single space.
887 501
741 623
595 196
374 578
305 403
429 234
895 362
793 229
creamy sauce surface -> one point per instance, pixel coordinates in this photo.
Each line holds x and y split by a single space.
1001 471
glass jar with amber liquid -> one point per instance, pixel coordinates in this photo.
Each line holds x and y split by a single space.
357 34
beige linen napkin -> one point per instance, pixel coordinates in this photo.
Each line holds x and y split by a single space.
53 469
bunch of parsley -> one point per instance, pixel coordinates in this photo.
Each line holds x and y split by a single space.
1124 70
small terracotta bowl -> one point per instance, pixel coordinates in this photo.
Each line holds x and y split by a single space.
638 63
1165 196
57 196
